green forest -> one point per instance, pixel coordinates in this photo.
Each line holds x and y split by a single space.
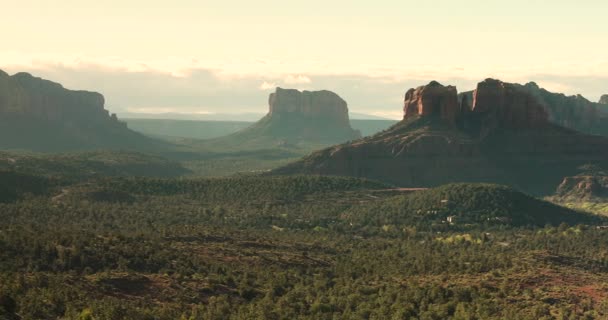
301 247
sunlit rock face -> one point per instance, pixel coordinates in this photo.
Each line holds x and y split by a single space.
433 99
500 132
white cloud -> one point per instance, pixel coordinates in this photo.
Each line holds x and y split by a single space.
299 79
267 85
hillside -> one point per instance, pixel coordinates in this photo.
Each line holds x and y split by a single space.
86 165
467 204
506 138
236 248
40 115
295 119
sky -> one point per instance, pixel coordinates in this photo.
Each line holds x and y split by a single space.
226 56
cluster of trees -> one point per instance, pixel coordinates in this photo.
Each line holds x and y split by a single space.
283 248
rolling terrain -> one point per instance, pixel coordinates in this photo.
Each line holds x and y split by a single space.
297 247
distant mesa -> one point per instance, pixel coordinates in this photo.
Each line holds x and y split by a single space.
298 117
323 105
40 115
500 132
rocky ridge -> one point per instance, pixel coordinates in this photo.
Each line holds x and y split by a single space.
499 133
41 115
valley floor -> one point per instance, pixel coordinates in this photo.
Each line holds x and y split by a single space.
286 248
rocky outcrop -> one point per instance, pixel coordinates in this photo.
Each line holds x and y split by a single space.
42 115
583 188
432 100
296 118
23 94
604 99
499 133
506 105
310 104
573 112
494 104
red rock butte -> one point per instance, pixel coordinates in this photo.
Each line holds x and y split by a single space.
498 103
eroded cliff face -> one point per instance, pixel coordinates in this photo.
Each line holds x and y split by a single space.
310 104
583 188
574 112
433 99
499 133
25 95
493 104
507 105
298 118
41 115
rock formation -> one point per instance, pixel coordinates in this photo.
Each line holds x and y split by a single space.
507 105
432 100
24 94
583 188
42 115
604 99
573 112
318 104
499 133
296 118
494 104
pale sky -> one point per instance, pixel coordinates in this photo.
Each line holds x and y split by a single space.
226 56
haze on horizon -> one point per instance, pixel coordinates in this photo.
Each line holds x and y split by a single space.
225 57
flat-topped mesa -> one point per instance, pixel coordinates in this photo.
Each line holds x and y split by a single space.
604 99
311 104
433 99
507 105
24 94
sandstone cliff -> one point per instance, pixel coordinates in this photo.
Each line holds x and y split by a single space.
315 105
573 112
296 118
42 115
500 133
432 99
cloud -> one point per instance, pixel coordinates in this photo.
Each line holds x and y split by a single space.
267 85
299 79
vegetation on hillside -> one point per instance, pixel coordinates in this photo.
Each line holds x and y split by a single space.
298 247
